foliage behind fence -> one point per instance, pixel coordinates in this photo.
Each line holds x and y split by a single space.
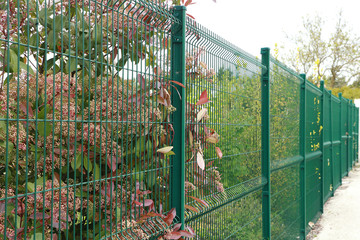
129 120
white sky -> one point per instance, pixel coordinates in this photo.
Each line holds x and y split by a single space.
254 24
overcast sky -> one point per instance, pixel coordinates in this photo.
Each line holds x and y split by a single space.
253 24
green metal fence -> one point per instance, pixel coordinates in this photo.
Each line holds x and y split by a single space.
129 120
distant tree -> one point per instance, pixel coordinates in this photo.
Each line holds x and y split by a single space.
335 58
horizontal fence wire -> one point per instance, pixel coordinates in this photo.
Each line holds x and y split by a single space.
284 151
223 108
105 106
82 116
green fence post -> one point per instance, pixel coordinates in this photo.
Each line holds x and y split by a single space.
265 142
322 88
348 136
341 138
331 146
178 74
352 133
356 134
302 135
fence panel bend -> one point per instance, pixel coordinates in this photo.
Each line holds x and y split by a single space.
129 120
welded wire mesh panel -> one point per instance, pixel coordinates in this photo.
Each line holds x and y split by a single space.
285 203
356 134
336 138
240 219
81 119
223 125
312 144
344 139
328 160
284 151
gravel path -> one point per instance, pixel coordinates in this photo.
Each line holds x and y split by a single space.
341 218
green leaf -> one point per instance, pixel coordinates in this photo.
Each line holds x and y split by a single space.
33 39
8 78
13 61
118 213
51 40
137 174
26 67
40 180
87 164
44 128
18 222
41 114
97 33
60 21
2 126
30 186
37 236
97 173
50 63
76 161
10 146
140 147
151 177
9 208
71 65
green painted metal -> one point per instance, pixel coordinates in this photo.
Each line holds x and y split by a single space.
313 153
231 80
302 134
94 95
322 162
265 142
178 70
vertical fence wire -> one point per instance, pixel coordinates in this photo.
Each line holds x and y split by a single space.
120 119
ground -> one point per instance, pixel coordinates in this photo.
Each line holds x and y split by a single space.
341 217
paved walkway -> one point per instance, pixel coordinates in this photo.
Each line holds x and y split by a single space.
341 218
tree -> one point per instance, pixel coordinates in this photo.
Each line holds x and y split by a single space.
335 58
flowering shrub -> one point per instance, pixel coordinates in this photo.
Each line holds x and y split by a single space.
76 139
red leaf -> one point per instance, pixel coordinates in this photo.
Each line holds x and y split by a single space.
39 216
26 110
177 226
186 234
165 42
200 160
148 202
209 163
137 203
173 235
203 98
200 201
141 81
170 217
191 208
178 83
190 230
188 2
218 152
190 16
111 161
